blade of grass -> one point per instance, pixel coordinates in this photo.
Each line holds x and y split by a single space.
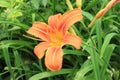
49 74
74 52
105 43
95 62
54 4
99 33
10 43
81 73
107 55
94 58
8 61
3 73
17 62
91 4
87 15
23 26
85 68
17 59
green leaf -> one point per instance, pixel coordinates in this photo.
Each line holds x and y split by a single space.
106 42
99 33
11 43
23 26
8 60
95 62
49 74
107 56
88 15
35 3
74 52
13 13
44 2
4 3
86 67
17 59
91 4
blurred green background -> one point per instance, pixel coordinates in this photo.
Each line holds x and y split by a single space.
98 59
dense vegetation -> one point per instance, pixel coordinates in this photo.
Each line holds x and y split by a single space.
98 58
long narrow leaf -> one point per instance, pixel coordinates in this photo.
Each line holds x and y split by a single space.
106 42
49 74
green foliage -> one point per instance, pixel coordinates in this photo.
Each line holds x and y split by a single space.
98 59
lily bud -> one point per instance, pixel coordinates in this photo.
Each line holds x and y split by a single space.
79 3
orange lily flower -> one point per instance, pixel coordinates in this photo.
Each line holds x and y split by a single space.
54 36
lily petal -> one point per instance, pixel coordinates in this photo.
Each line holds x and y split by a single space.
73 40
40 48
53 58
70 18
39 29
54 21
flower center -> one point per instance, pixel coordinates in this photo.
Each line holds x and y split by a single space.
57 38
